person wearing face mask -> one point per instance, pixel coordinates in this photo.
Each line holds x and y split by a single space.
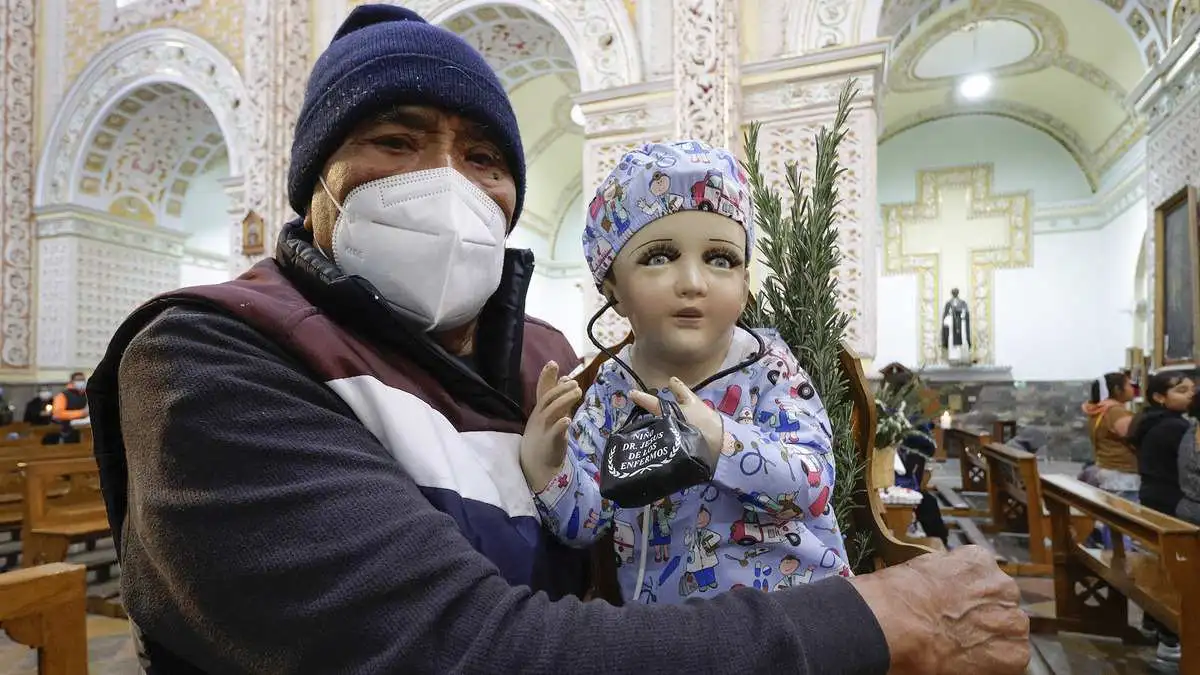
315 467
71 404
37 410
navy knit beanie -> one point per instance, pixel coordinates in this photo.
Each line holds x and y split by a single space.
383 56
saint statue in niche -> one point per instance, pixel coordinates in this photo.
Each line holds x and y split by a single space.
956 330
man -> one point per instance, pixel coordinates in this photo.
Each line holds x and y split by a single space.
322 455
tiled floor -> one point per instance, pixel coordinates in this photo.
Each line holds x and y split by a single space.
110 651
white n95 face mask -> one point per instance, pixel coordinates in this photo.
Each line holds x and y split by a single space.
430 241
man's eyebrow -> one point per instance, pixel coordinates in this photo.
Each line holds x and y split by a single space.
418 119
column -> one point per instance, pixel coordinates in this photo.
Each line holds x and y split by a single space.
235 190
1170 98
795 97
18 156
276 66
618 120
93 270
706 71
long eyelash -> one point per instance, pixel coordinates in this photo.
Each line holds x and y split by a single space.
734 257
667 250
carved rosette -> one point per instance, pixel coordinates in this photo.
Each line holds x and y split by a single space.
599 33
277 50
113 18
706 71
17 70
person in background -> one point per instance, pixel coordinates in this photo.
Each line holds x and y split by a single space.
6 410
1116 468
69 408
37 410
71 403
1156 433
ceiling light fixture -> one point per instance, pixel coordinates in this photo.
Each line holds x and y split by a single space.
577 115
975 87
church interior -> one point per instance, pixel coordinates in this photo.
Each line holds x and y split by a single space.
1018 219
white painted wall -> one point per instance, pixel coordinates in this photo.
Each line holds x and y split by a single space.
553 297
1069 316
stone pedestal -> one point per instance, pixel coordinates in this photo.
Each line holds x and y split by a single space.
92 271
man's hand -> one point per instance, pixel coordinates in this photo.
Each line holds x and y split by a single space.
705 419
544 445
949 614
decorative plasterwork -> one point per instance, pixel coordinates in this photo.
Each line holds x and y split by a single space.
793 98
821 24
706 71
115 16
599 33
218 22
1051 49
159 55
277 39
82 222
1093 164
902 18
1173 84
518 44
897 259
17 153
1183 11
142 158
1089 214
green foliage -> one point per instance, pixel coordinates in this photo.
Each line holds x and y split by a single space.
899 412
799 298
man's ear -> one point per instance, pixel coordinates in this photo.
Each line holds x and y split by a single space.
609 290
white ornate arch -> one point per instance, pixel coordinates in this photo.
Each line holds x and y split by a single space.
818 24
1135 18
158 55
598 32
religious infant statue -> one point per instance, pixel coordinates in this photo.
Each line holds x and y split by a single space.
956 330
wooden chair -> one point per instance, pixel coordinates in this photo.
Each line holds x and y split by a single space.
869 511
43 608
1092 588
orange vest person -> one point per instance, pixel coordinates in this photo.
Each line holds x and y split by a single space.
71 403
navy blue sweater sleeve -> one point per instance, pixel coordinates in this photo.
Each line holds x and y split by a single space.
269 532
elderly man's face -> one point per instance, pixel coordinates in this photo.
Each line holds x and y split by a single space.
403 140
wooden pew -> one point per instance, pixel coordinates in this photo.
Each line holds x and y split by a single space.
12 487
1013 486
51 525
967 447
44 608
1003 431
1092 588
